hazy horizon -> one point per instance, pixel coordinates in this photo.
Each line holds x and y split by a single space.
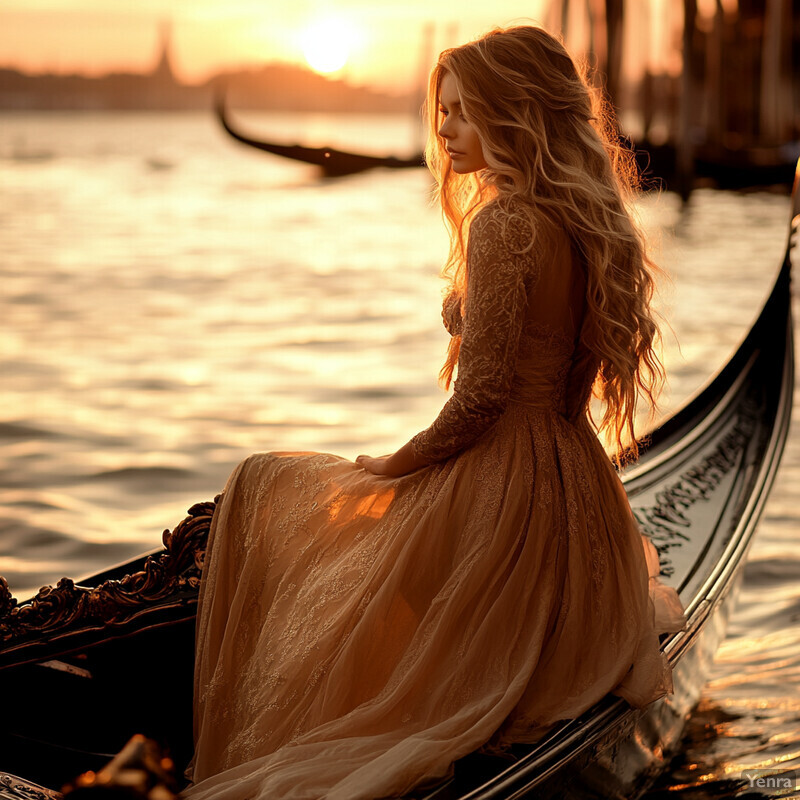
244 67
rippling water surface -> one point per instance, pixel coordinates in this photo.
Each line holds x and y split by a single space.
173 302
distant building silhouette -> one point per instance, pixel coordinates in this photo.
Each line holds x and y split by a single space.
163 71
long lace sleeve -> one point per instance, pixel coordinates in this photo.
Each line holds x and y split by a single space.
498 279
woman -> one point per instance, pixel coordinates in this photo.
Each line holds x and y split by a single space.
362 626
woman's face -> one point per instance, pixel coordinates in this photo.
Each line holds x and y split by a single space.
461 140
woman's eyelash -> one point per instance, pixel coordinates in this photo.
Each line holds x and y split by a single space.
445 113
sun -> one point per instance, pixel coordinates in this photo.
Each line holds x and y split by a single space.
326 45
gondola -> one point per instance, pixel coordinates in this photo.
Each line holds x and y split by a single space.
85 666
332 162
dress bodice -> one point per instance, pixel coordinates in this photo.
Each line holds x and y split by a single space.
519 332
543 362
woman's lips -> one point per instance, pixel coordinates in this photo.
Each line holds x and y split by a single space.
454 153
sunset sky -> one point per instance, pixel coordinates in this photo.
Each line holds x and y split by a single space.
99 35
384 40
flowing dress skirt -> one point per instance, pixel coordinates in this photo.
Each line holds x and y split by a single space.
357 634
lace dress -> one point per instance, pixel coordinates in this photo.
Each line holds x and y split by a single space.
357 634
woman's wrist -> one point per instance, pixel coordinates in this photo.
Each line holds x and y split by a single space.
405 460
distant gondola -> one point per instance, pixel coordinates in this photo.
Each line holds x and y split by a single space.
333 163
83 667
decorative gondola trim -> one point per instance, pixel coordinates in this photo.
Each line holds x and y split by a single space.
663 521
169 577
14 788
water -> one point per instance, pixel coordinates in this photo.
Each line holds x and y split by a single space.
173 301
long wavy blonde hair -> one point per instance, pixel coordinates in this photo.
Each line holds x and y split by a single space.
549 140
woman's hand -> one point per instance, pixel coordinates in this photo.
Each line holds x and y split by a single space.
400 463
377 466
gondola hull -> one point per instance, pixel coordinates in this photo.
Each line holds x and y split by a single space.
332 163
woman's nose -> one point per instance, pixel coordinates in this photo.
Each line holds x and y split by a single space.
443 129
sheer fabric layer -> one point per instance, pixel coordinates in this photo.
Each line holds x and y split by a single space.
357 634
